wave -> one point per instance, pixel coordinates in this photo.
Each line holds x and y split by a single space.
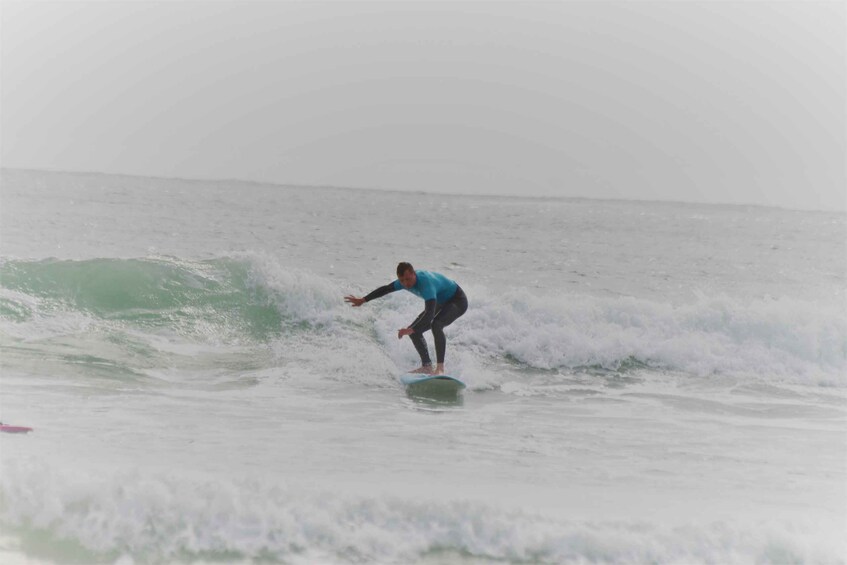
143 307
783 339
133 320
148 293
163 517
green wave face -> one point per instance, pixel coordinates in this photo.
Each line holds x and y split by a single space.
187 297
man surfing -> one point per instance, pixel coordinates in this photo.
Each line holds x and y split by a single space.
444 302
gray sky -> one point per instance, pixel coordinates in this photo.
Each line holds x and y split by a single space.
716 101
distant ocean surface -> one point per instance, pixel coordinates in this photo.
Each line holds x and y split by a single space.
648 382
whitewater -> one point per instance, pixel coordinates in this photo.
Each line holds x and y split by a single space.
648 382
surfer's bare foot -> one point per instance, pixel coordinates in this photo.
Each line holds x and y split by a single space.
424 370
439 369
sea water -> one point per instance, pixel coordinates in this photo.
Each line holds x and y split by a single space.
648 382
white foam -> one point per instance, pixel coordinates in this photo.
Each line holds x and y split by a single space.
168 517
776 339
298 293
41 320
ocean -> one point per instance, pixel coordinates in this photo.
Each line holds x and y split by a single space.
648 382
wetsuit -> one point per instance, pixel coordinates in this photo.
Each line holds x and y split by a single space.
444 302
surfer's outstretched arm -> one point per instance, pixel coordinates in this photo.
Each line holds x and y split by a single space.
379 292
354 300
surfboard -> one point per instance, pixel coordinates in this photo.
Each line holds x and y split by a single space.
14 429
445 382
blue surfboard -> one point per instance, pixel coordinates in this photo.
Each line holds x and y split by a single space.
445 382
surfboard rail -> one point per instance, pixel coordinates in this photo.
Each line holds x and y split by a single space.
416 379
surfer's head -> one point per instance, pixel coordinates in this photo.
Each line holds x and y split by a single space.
406 275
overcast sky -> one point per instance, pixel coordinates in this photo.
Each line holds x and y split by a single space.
716 101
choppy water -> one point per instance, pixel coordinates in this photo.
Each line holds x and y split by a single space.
648 382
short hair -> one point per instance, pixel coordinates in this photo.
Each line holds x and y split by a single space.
403 267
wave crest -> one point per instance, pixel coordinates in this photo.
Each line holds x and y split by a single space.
222 299
779 337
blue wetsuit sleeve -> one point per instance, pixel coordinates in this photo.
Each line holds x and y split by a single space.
424 321
382 291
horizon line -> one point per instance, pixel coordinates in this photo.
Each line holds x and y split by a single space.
418 191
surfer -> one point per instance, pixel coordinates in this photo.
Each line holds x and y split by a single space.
444 302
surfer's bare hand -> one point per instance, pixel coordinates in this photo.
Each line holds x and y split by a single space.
354 301
404 331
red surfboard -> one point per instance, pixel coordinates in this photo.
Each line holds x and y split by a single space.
14 429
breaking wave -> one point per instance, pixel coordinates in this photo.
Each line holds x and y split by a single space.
170 518
254 301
